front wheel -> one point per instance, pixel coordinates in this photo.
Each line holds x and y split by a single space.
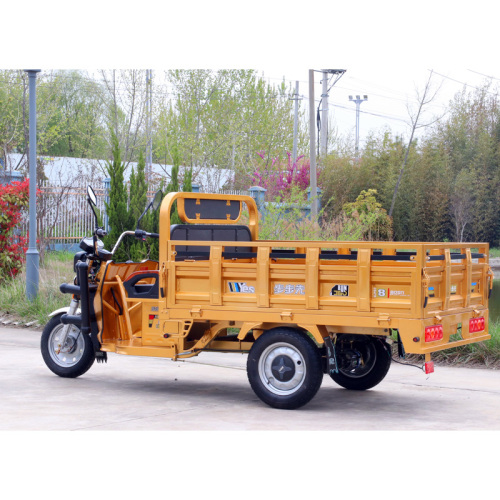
284 368
73 358
363 361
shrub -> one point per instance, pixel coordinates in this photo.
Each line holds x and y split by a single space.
365 219
13 198
287 218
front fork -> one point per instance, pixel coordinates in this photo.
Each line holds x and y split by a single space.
73 307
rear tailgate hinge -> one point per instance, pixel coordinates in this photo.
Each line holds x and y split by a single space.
426 281
384 320
491 275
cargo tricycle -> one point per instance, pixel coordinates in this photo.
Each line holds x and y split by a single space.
299 309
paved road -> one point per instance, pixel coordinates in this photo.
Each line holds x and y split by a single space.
211 392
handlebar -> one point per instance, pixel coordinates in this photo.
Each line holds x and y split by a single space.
138 233
142 235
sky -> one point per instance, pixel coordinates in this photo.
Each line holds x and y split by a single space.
387 47
390 98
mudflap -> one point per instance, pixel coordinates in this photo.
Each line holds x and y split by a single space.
101 356
401 349
331 358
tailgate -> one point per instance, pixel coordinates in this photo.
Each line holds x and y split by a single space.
456 281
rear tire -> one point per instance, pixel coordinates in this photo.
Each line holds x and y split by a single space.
74 358
284 368
363 361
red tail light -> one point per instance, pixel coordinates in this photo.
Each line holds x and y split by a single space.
433 333
429 367
476 325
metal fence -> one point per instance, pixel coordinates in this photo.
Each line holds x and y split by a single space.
64 217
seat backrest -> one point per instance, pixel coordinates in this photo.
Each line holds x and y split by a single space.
208 232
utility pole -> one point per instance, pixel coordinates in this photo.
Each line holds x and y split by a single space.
32 255
324 114
149 149
312 135
323 105
295 120
312 152
358 102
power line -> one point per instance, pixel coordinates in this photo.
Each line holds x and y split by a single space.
482 74
466 84
370 113
351 110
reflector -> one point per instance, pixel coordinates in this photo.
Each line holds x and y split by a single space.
433 333
476 324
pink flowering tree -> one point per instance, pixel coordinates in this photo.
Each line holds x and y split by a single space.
281 177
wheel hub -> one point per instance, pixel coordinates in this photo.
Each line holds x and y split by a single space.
283 368
352 359
70 345
357 359
71 352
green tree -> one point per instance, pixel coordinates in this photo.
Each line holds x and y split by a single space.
138 189
10 114
79 116
173 187
220 119
471 139
118 216
462 203
124 102
187 183
137 204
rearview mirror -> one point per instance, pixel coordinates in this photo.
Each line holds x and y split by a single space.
157 200
154 204
92 196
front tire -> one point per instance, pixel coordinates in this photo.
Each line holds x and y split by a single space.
284 368
71 360
363 362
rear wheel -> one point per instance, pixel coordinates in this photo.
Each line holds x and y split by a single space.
284 368
73 358
363 362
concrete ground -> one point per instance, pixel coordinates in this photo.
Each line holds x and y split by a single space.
211 392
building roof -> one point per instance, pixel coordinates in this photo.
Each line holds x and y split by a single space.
65 171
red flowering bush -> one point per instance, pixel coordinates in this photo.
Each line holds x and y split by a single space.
13 198
280 178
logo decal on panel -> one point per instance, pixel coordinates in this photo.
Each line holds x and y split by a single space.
238 287
289 289
387 292
340 291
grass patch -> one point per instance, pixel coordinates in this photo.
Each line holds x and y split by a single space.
57 269
494 253
485 354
